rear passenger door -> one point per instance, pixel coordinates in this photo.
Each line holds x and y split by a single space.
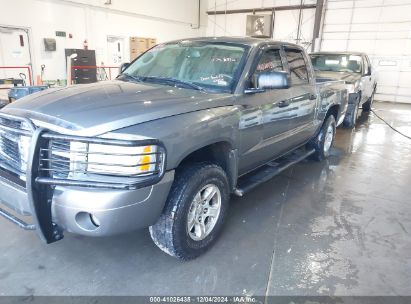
303 96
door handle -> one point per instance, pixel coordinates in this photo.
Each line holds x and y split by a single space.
313 96
284 103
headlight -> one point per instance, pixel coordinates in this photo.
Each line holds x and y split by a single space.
119 160
24 149
350 88
106 159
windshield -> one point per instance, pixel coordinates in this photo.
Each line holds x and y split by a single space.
195 65
336 63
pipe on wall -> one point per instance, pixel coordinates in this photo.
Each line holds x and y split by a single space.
198 17
262 9
318 24
118 11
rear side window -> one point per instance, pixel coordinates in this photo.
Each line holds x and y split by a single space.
298 67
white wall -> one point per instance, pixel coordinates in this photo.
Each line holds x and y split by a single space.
381 28
286 22
92 20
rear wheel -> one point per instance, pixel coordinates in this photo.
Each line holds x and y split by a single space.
324 140
194 213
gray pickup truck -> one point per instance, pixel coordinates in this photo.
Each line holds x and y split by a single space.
356 70
164 145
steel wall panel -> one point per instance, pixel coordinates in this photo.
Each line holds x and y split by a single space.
380 28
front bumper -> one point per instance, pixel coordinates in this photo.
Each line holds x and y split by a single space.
90 208
117 211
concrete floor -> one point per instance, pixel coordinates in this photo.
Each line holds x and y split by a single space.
340 227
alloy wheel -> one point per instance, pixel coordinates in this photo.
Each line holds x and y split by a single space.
204 212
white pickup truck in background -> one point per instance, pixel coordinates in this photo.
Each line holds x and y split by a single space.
356 70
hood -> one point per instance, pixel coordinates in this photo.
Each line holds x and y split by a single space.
97 108
346 76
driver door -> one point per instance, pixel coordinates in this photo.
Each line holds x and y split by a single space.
265 115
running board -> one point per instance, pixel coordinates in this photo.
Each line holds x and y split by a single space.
265 173
22 224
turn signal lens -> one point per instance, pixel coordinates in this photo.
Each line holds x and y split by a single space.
146 159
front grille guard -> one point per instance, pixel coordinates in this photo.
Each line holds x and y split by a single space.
39 184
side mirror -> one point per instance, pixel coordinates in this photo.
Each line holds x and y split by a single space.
273 80
123 66
369 71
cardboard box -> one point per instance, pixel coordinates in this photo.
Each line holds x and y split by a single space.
134 55
137 40
151 42
139 45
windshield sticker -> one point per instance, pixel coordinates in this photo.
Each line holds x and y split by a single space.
218 79
223 59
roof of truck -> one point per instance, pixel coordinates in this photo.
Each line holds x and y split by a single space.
251 41
338 53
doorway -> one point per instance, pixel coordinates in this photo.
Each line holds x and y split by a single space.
115 53
14 52
15 57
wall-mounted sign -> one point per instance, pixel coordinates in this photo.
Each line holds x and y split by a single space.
49 44
60 34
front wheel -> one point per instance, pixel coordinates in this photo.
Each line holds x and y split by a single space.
352 115
366 107
323 142
194 213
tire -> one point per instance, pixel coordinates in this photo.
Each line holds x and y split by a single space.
351 117
323 142
366 107
171 232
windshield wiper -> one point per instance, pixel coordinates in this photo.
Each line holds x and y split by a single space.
165 80
136 78
175 81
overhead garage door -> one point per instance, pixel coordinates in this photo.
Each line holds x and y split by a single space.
381 28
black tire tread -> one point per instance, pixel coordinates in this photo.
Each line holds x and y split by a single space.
162 231
366 107
350 120
318 142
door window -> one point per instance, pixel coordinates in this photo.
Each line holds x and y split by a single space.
368 63
298 67
270 61
366 66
